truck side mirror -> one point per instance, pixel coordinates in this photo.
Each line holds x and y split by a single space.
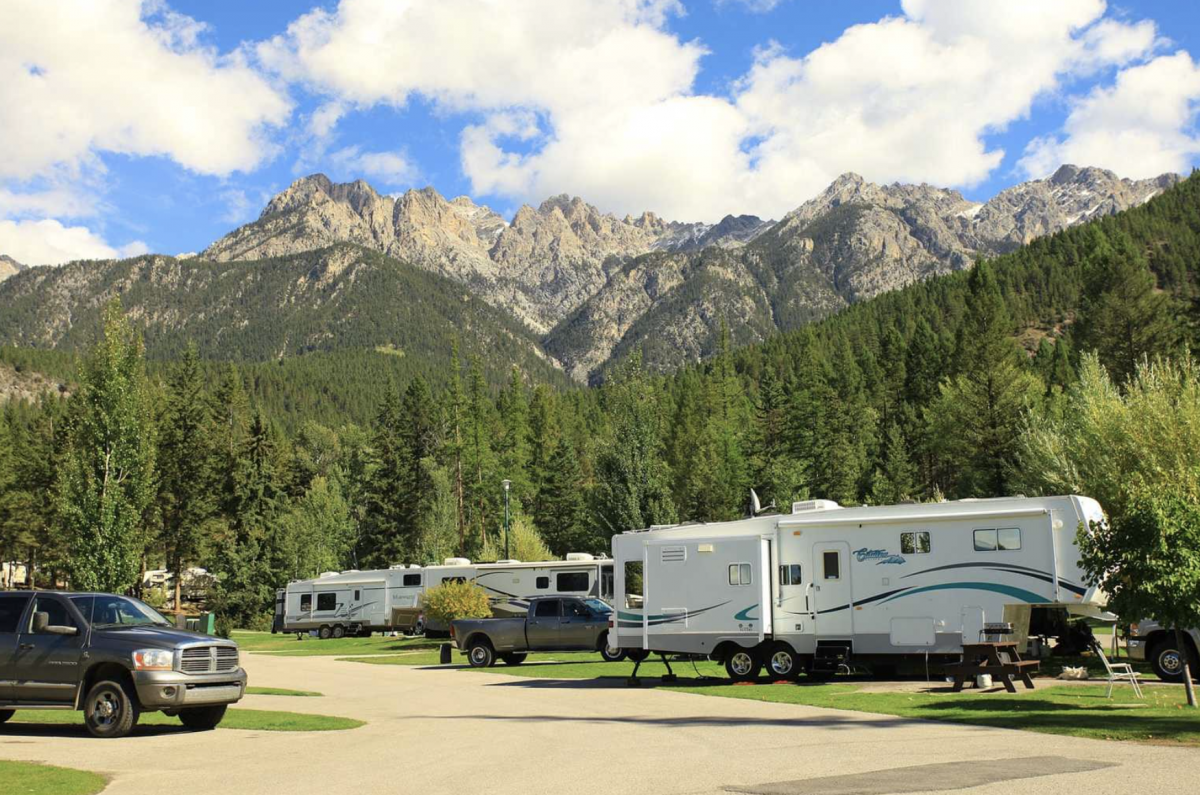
40 622
60 630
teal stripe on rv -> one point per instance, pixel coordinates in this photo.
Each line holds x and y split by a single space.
745 614
1008 590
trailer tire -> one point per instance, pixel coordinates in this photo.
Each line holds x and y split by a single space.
1167 662
339 631
480 654
324 632
743 665
513 658
364 633
5 714
783 662
638 655
611 655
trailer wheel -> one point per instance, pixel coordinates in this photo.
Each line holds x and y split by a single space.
324 632
364 633
339 631
638 655
611 655
783 662
514 658
5 714
481 654
743 665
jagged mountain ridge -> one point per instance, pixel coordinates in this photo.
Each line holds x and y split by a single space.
540 266
853 241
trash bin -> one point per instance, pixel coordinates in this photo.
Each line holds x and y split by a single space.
206 623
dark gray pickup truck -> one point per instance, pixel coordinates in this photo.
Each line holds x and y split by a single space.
553 623
112 657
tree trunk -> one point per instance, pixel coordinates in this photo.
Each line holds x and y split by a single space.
1186 654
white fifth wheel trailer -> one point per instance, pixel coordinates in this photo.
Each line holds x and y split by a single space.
360 602
826 586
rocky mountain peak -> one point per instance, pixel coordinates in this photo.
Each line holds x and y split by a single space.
9 267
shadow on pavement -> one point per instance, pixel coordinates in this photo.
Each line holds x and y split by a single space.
41 730
697 721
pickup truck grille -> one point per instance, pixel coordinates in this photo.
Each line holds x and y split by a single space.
208 659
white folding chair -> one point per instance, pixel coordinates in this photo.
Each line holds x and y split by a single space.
1118 672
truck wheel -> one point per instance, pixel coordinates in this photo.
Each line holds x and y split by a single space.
783 663
481 654
324 632
339 631
1166 661
109 711
5 714
743 665
202 719
637 655
513 659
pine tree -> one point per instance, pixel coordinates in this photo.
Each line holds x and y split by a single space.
893 479
562 507
384 514
479 458
106 483
454 445
187 495
512 448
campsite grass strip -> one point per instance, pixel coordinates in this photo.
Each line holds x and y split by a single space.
404 658
33 778
281 691
288 645
248 719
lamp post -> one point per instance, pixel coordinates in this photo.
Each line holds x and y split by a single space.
506 483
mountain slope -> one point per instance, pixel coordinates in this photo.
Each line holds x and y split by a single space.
9 267
343 297
854 241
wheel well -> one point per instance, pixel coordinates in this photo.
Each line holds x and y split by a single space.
726 648
479 636
101 671
602 640
1168 636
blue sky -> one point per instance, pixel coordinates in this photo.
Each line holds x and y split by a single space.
159 126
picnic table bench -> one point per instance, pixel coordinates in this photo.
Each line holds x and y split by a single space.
999 659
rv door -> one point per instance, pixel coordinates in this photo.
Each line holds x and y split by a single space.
832 591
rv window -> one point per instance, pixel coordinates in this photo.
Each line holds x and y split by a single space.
412 580
542 583
326 601
357 595
572 581
454 579
547 609
633 584
789 575
740 574
832 566
985 540
606 583
1009 538
915 543
305 602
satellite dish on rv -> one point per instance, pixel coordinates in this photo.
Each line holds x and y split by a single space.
756 506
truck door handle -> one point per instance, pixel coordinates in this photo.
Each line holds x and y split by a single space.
26 646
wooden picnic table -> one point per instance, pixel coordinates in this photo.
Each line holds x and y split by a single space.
998 659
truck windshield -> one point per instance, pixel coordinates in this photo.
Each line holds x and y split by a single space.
596 606
110 612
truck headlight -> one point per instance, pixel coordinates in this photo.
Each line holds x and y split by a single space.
153 660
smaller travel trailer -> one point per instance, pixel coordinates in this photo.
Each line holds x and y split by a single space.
360 602
826 586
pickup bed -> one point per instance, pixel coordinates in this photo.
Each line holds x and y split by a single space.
553 623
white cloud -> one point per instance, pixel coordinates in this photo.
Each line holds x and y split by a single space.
753 6
1142 126
387 168
596 97
79 77
65 202
48 242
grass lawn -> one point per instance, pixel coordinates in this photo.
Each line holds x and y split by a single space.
287 645
418 657
31 778
253 719
281 691
1079 710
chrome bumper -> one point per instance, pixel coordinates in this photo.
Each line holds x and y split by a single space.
173 690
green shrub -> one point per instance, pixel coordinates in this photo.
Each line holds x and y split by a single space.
454 600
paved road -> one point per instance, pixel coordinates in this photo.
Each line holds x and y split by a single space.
441 731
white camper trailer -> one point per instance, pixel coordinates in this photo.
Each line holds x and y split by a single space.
825 585
360 602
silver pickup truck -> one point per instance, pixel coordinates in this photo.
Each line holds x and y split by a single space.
1148 640
553 623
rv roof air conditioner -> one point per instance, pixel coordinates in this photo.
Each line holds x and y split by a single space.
456 562
508 560
814 505
325 574
580 556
